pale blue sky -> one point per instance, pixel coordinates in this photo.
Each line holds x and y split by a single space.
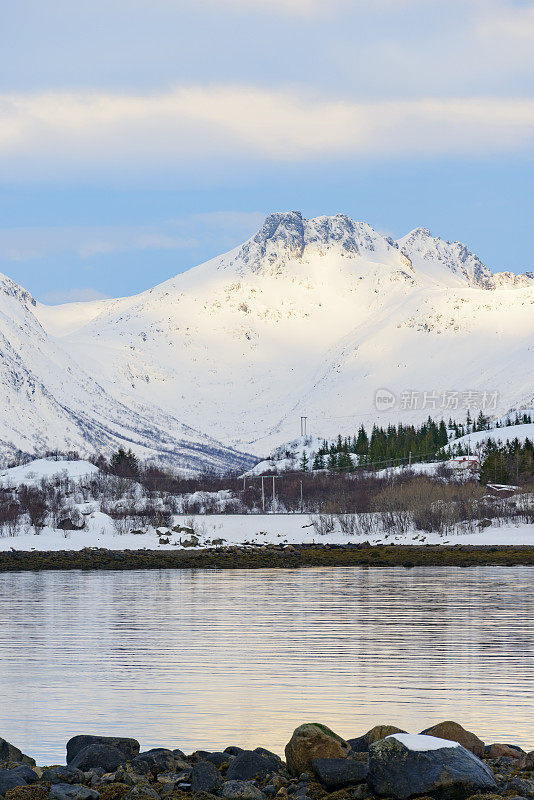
140 137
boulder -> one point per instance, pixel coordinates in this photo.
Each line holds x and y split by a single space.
9 779
361 743
403 766
157 760
249 765
191 542
26 772
275 760
498 750
312 741
241 790
218 759
72 791
104 756
529 761
233 750
130 747
334 773
8 752
455 733
205 777
62 775
520 786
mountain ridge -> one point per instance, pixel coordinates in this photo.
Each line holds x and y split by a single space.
306 318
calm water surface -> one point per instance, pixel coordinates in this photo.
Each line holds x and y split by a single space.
204 659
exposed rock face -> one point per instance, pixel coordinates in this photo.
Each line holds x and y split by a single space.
455 733
335 773
250 764
312 741
98 755
241 790
8 752
205 777
72 791
498 750
400 769
361 743
130 747
9 779
62 775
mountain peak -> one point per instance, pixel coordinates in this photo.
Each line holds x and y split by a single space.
288 236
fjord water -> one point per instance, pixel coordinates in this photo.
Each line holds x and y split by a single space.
203 659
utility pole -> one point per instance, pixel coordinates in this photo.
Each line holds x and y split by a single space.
301 498
274 496
303 425
263 493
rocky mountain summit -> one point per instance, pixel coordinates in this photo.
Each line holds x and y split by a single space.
320 765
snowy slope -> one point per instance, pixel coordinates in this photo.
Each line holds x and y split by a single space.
44 468
503 435
311 317
50 401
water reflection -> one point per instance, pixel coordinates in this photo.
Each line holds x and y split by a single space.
202 659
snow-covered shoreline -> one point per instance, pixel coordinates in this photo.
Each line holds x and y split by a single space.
249 530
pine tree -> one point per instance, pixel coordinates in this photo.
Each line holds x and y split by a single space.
124 463
304 462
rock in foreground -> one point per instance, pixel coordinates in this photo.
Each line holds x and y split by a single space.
403 766
312 741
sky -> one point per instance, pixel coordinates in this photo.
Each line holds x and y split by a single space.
139 138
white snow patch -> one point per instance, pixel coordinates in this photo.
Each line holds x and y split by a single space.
420 744
47 468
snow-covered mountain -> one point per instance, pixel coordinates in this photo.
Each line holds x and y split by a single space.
309 317
50 401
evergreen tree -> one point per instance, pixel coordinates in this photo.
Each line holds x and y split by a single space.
304 462
124 463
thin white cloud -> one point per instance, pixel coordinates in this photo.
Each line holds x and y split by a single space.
191 124
88 242
73 296
28 244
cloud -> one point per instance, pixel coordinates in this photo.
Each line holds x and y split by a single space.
196 123
88 242
72 296
28 244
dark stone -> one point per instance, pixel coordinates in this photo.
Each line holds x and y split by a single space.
130 747
235 751
9 779
335 773
521 786
157 760
8 752
241 790
98 755
63 775
205 777
218 759
249 765
72 791
26 772
178 753
396 771
275 760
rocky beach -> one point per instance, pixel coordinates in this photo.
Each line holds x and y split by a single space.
269 556
444 762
